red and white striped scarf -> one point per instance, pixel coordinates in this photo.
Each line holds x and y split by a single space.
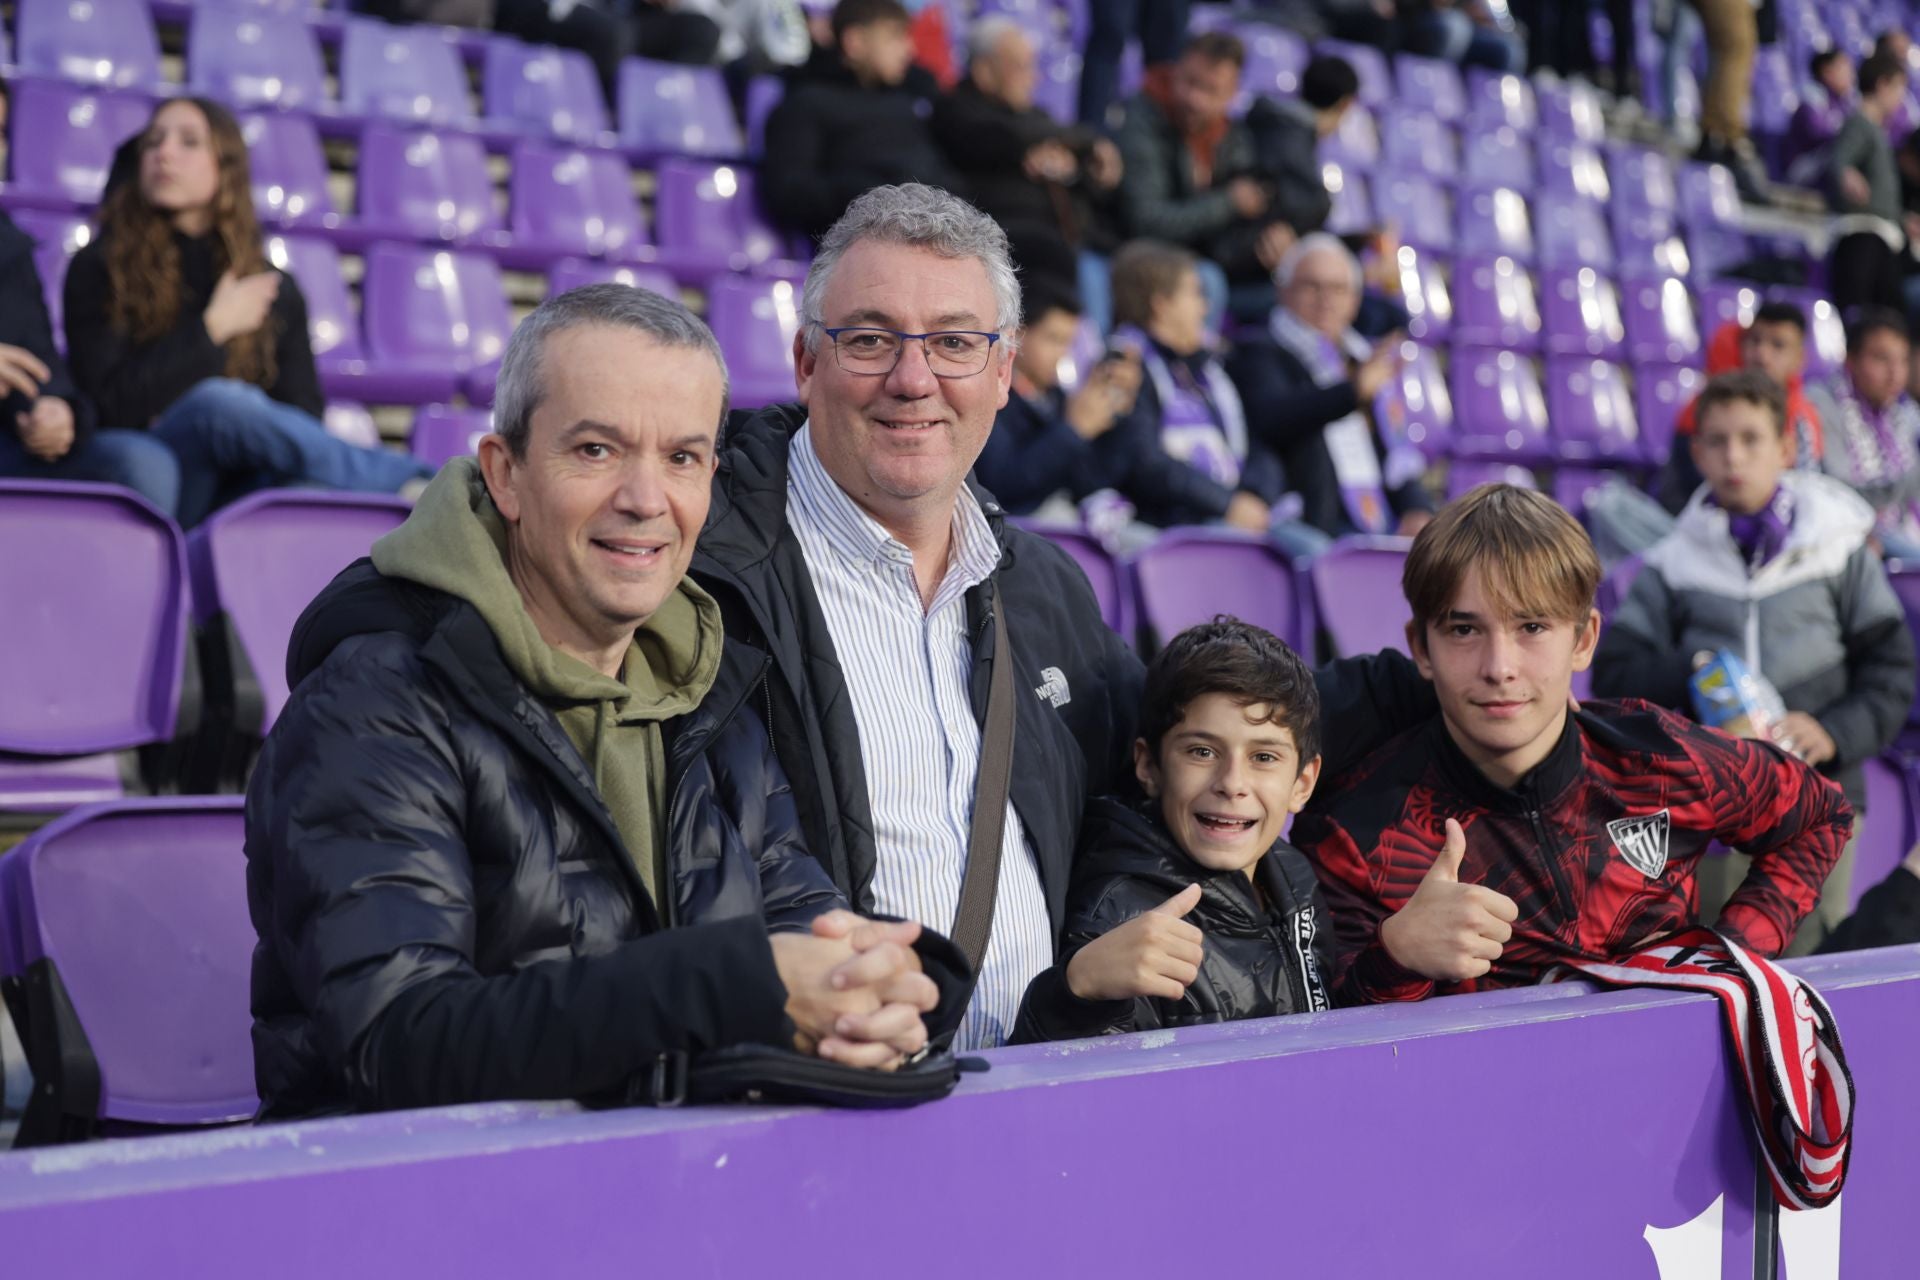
1784 1037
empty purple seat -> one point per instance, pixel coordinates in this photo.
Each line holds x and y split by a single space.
1352 211
255 59
1572 232
1494 304
1186 576
1419 207
764 93
1431 86
1885 840
64 139
1495 221
109 43
132 951
1275 59
672 110
1465 476
569 202
332 329
1411 142
426 186
1574 487
56 238
1499 409
1643 179
1573 169
436 324
1369 63
1591 407
572 273
1660 393
755 321
442 432
1724 302
707 220
1416 406
1425 294
544 91
1708 197
1580 309
1660 324
1647 245
403 73
1111 579
1357 596
1497 157
1774 93
351 422
1355 144
1571 110
289 172
1495 100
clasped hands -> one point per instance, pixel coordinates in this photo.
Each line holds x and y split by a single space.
855 989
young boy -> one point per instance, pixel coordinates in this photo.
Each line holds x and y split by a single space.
1509 833
1773 564
1191 907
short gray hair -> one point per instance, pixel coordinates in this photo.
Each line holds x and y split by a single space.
920 217
985 36
1318 242
522 384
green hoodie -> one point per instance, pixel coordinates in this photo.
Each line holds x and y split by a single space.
456 541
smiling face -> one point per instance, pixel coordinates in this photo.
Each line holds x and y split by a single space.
604 508
1227 778
1323 292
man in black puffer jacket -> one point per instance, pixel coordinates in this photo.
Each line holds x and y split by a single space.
514 836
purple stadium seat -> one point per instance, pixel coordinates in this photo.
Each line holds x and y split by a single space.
1574 487
1419 207
1369 63
1581 311
1057 93
1425 294
1111 579
289 171
436 323
1573 169
1352 211
670 110
1412 142
1416 406
572 273
1356 143
1726 301
1647 245
1430 86
403 73
1717 251
57 237
1774 93
1572 232
1571 110
1186 576
1826 332
1494 304
569 202
1591 407
255 59
108 43
1660 324
1465 476
351 422
1660 393
1497 158
131 953
1708 197
755 321
1495 100
332 329
1495 220
442 432
64 138
1643 179
707 220
763 95
1357 597
96 634
427 186
1275 59
544 91
1499 409
1885 840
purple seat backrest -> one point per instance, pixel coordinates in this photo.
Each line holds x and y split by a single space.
1425 294
263 559
1357 596
1661 328
1581 311
1660 393
255 59
1188 575
1571 110
1495 99
64 137
289 169
1468 474
1590 404
1416 406
714 209
1574 169
1885 840
141 906
1643 178
1647 245
1708 197
1774 94
1369 63
1497 157
1494 304
1356 143
1431 85
1057 93
1418 205
549 91
434 306
1615 583
1495 220
1573 488
110 43
1352 211
431 184
1726 301
96 619
1109 578
580 200
572 273
403 73
755 321
1275 58
1499 408
1411 142
669 109
315 266
763 95
443 431
1572 232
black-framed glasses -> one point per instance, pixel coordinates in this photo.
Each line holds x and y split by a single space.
951 353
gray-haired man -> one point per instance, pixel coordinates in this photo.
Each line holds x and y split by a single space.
845 539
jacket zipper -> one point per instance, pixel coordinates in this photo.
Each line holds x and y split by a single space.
1563 893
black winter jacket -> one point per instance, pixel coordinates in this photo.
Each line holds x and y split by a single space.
1033 453
1078 683
445 908
1160 200
24 323
1261 959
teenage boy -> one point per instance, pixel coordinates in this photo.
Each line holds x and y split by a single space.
1191 906
1773 564
1509 833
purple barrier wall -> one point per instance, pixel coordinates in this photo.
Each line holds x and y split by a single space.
1540 1132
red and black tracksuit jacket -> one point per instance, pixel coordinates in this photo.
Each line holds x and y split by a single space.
1596 846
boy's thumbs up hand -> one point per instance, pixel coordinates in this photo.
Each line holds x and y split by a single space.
1449 931
1153 954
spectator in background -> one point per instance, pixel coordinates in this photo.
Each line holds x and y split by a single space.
1161 26
1772 564
1040 180
853 118
1043 441
1470 32
176 320
1824 108
1872 428
1308 385
1287 134
1898 45
1863 184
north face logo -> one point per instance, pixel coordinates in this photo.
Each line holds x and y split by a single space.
1053 687
1643 841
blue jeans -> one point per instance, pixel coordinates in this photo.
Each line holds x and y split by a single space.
1096 291
232 437
131 459
1455 37
1162 27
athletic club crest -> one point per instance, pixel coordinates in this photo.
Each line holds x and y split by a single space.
1643 841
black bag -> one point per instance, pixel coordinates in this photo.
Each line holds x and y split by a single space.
765 1073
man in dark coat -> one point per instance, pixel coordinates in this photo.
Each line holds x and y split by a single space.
515 836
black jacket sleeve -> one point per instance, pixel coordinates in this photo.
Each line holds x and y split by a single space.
358 808
980 136
1880 664
1032 454
298 382
130 383
24 323
1284 408
1163 489
1639 654
1366 702
1050 1009
1888 915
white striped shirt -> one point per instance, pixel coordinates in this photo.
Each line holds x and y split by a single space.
907 669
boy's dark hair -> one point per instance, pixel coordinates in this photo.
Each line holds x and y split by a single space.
1040 294
1217 46
849 14
1248 664
1876 70
1782 313
1868 321
1328 80
1743 386
1822 60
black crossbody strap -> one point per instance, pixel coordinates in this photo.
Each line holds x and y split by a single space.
973 921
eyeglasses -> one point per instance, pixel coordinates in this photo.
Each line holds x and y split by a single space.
951 353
